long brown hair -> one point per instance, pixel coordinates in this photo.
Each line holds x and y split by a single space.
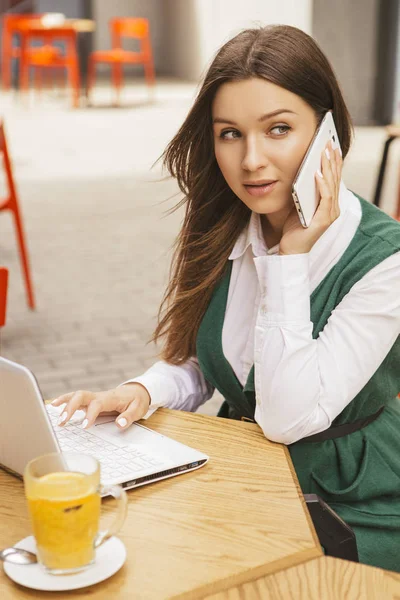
215 216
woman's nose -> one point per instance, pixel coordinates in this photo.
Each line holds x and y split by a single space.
254 157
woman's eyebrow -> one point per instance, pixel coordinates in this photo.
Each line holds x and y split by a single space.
260 120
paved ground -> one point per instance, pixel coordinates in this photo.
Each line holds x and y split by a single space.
97 234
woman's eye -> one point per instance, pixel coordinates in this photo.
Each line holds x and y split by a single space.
229 134
286 128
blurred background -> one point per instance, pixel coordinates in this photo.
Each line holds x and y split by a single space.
91 93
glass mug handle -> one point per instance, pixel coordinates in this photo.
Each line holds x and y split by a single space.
120 496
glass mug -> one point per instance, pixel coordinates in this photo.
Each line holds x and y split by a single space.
63 492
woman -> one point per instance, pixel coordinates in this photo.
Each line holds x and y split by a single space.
297 328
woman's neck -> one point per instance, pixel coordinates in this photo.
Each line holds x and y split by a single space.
272 227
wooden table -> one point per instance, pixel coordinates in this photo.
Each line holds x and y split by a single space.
240 517
323 578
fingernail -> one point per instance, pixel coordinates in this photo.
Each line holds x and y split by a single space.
62 418
320 174
84 424
122 422
328 156
340 150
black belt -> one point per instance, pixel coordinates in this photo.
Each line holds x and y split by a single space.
337 431
340 430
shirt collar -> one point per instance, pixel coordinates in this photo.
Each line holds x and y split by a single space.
252 234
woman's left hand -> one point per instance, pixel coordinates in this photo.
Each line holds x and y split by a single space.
299 240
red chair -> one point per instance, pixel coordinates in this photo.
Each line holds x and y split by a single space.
8 51
48 56
11 25
11 203
117 57
3 294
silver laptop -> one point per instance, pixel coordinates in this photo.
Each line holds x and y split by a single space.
28 428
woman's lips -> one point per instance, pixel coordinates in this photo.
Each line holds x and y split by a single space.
260 190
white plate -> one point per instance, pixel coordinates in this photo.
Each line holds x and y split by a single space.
109 559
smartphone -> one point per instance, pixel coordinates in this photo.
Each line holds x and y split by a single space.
305 192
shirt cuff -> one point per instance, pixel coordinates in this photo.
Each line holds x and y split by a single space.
285 287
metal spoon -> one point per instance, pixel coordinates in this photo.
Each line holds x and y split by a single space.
18 556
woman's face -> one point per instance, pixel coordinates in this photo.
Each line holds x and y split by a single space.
252 147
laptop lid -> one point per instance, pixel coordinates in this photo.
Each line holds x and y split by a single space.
25 431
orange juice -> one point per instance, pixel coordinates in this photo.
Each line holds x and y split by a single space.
65 513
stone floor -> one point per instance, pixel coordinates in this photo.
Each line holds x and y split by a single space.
99 239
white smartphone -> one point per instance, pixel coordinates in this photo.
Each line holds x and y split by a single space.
305 192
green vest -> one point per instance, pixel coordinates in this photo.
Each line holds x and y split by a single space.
357 474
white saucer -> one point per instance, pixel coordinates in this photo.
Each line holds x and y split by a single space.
109 559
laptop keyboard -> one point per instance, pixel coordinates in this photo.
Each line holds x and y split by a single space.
115 461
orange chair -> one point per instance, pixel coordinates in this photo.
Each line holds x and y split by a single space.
137 28
11 203
11 28
48 56
8 51
3 294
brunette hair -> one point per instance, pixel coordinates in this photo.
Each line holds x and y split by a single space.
215 216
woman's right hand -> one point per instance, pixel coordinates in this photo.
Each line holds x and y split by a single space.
130 400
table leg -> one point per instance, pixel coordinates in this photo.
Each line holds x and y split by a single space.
84 50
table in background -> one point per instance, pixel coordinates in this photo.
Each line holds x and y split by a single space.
240 517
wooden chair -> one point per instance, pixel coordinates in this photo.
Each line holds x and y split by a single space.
49 56
393 132
137 28
10 202
3 294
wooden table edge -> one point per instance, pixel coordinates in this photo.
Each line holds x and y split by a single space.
301 496
251 574
367 574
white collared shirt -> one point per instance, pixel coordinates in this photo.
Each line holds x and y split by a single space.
301 384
